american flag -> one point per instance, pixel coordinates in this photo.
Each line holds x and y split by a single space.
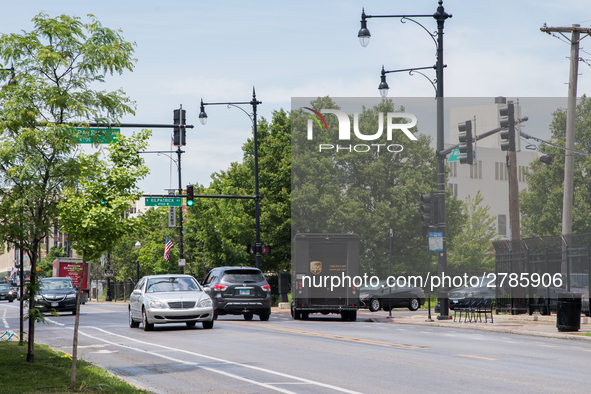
167 246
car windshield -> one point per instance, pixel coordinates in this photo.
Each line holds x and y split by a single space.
3 287
57 284
159 285
242 276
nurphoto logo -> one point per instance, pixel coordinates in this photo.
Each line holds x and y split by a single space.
345 130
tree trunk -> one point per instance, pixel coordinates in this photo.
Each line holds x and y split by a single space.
75 342
30 290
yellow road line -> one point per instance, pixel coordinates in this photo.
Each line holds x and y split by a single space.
481 358
339 337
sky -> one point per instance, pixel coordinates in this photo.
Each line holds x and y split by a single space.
219 51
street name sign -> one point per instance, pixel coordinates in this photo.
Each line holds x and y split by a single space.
454 155
96 135
164 201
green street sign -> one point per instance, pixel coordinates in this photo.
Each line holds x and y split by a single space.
454 155
164 201
96 135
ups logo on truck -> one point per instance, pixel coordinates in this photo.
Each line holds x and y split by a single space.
315 267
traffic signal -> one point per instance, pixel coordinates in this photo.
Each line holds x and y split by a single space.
179 133
508 123
547 159
190 195
429 208
465 137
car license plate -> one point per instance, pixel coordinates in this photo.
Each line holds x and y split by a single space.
55 303
244 292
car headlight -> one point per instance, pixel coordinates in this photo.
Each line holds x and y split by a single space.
38 298
72 295
205 303
155 304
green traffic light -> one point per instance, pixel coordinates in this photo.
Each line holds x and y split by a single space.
190 203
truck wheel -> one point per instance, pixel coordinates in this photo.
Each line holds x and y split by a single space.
305 315
297 315
353 316
414 304
374 304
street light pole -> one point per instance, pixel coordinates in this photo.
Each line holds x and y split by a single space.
254 103
440 16
138 245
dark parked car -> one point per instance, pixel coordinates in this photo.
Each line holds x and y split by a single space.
15 292
56 294
6 292
239 291
548 296
463 296
381 297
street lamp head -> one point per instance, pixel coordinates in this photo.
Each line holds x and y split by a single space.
383 88
363 34
138 245
202 114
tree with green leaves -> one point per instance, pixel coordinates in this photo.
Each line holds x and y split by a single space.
46 264
93 213
55 67
218 230
472 249
151 231
366 193
541 203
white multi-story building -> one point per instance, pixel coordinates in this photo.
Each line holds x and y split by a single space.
489 173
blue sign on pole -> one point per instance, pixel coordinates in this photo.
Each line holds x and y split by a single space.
435 241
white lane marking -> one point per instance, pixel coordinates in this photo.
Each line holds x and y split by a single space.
304 380
4 319
266 385
187 363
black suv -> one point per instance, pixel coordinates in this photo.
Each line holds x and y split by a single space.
239 291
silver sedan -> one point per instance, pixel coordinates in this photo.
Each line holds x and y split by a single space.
162 299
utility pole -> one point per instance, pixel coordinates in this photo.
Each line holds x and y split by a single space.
569 160
567 202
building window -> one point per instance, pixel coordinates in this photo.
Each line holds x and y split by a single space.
501 172
453 169
476 170
522 173
453 188
502 225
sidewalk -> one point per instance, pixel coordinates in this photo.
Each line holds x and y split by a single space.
534 325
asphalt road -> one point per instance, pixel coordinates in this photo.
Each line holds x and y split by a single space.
321 355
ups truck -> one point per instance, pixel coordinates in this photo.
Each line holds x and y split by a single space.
321 267
72 268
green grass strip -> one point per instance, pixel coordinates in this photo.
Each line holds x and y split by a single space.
50 373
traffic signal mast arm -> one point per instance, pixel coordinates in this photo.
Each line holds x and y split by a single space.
447 151
201 196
